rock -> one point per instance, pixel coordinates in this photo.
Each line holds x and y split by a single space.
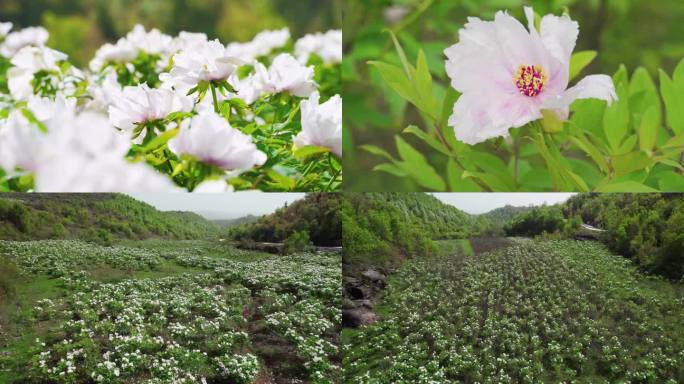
350 280
373 275
348 304
359 292
358 317
365 303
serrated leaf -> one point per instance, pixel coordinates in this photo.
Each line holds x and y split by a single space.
377 151
391 169
579 61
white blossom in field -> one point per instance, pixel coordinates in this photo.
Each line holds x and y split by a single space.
31 36
104 92
262 45
212 140
27 62
328 46
5 28
288 75
142 104
507 74
321 123
200 62
186 40
121 52
213 186
151 42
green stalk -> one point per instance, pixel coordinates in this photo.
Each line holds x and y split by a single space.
213 96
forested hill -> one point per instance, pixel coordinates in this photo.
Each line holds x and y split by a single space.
317 215
99 217
387 227
646 227
500 216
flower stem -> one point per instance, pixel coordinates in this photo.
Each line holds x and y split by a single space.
213 96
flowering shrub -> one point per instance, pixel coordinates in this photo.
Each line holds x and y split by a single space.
160 113
508 121
546 311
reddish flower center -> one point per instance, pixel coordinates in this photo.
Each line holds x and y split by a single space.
530 79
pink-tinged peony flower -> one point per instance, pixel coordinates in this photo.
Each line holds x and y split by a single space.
141 104
507 75
210 139
321 124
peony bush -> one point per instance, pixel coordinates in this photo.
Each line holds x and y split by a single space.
154 112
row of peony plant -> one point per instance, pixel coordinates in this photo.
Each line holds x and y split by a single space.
534 312
179 329
160 113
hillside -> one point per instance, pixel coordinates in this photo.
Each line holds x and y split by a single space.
235 222
500 216
100 217
317 215
384 228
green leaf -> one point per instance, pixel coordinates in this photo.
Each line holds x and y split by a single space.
585 145
673 96
309 150
648 129
634 161
391 169
677 141
377 151
402 55
159 141
671 182
452 174
396 79
423 84
551 122
431 141
491 181
616 120
448 105
579 61
417 166
625 186
287 182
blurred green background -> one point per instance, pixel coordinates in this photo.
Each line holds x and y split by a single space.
648 33
79 27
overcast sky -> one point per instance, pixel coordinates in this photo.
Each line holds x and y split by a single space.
476 203
216 206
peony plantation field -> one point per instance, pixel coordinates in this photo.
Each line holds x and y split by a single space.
535 311
168 312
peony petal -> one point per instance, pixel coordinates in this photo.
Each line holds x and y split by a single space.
559 35
591 87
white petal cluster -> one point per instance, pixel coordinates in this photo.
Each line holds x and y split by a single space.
285 75
211 139
31 36
201 62
321 123
328 46
27 62
127 48
262 44
142 104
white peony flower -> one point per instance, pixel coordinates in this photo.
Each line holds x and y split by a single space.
212 140
27 62
142 104
187 40
321 124
262 44
5 28
201 62
153 42
213 186
104 92
286 74
328 46
121 52
508 74
32 36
